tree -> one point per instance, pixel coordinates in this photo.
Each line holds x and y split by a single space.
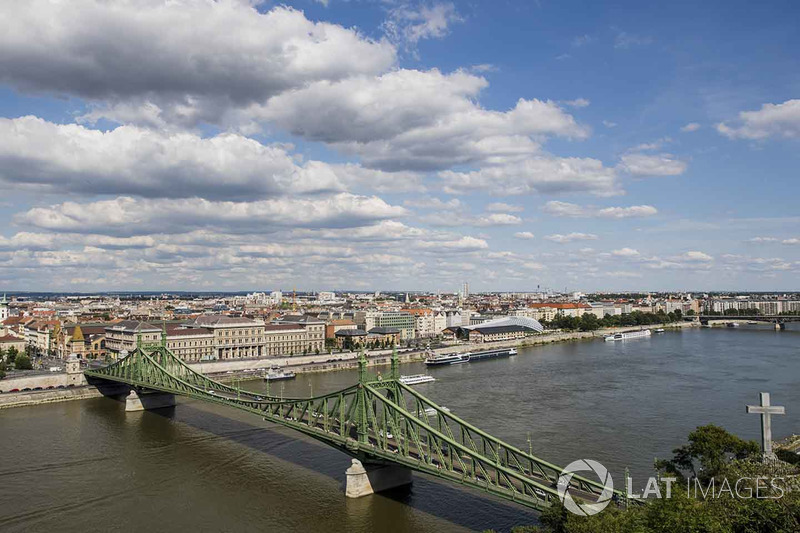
12 355
23 362
2 369
710 447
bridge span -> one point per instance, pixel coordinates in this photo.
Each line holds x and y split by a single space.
388 429
779 320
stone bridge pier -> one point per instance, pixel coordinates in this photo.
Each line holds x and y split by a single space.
363 480
144 400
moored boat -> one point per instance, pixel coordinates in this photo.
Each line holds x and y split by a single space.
625 335
492 354
276 374
447 359
416 379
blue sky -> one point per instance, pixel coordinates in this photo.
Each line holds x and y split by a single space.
399 145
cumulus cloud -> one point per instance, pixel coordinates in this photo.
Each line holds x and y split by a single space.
570 237
202 58
546 174
772 120
131 160
625 252
465 219
637 164
566 209
126 216
695 256
690 127
524 235
504 207
416 120
434 203
578 102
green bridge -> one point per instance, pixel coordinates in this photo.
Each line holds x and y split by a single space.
387 427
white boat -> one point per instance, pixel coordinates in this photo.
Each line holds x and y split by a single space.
660 330
276 374
447 359
416 379
625 335
492 354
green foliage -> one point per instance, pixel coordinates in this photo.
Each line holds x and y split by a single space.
710 447
722 456
590 322
2 369
11 355
23 362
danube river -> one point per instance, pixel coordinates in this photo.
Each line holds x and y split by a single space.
87 466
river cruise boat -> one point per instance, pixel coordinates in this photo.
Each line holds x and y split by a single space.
660 330
276 374
492 354
416 379
447 359
629 335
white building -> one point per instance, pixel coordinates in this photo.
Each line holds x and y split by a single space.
4 312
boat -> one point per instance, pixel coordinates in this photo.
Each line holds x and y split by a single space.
447 359
276 374
625 335
492 354
416 379
660 330
732 324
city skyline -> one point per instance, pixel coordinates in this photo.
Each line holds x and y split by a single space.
228 146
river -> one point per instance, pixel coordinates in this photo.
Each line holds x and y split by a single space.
89 466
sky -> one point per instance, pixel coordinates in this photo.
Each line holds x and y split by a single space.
386 145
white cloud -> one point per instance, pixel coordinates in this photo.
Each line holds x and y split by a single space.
578 102
202 58
503 207
652 165
452 219
570 237
791 241
695 256
690 127
626 252
407 24
524 235
609 124
566 209
434 203
416 120
544 174
131 160
761 240
772 120
125 216
465 243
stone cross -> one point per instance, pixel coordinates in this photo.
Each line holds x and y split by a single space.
766 411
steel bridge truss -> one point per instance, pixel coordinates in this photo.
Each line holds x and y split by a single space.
377 420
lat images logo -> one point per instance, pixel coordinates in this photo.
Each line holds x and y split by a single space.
585 509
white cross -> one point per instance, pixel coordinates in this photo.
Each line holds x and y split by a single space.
766 411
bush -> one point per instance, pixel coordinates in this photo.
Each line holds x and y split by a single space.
23 362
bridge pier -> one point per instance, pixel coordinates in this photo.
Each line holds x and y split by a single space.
780 326
363 481
142 401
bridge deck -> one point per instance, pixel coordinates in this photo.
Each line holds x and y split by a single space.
375 420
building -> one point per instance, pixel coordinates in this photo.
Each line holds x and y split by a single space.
314 331
383 336
39 336
86 340
338 324
4 311
502 329
12 341
351 338
232 337
289 339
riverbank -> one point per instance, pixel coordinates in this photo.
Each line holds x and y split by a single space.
227 371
